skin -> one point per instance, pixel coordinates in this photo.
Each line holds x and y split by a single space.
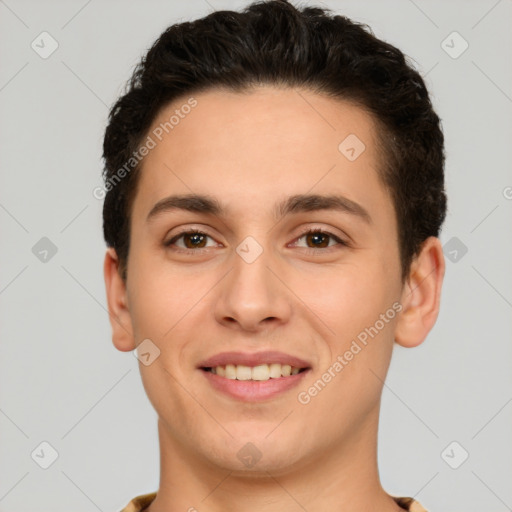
250 151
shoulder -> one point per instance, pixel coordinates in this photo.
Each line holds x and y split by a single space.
409 504
139 503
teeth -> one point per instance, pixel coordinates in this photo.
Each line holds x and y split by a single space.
260 372
275 370
243 372
230 371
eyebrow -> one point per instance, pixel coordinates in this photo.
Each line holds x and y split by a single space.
197 203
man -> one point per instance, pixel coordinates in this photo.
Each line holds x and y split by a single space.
275 193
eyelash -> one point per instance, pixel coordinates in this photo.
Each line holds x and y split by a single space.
309 250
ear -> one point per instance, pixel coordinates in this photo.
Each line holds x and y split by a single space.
118 310
421 294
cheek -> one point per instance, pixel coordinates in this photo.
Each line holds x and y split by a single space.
348 298
350 302
169 304
158 306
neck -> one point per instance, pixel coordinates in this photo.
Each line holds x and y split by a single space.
344 477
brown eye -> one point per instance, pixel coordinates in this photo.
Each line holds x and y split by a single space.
318 239
190 240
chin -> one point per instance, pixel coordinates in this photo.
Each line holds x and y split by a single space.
250 455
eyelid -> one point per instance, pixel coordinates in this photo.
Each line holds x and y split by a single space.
339 239
188 231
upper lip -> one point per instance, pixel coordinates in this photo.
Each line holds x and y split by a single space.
254 359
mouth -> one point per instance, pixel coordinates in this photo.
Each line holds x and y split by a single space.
260 373
255 384
254 377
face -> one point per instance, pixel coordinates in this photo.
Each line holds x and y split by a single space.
257 265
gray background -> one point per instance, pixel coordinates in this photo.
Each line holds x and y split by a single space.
61 379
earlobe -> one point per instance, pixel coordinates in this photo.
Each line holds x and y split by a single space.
118 310
421 295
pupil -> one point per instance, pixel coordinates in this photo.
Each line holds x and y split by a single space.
195 239
318 237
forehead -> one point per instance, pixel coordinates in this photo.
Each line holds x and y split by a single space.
247 147
246 120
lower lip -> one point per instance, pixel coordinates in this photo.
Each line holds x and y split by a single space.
253 390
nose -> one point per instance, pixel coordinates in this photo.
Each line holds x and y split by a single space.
253 297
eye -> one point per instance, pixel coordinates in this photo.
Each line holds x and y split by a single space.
193 239
319 239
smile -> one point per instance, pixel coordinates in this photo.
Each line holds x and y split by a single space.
254 384
260 372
